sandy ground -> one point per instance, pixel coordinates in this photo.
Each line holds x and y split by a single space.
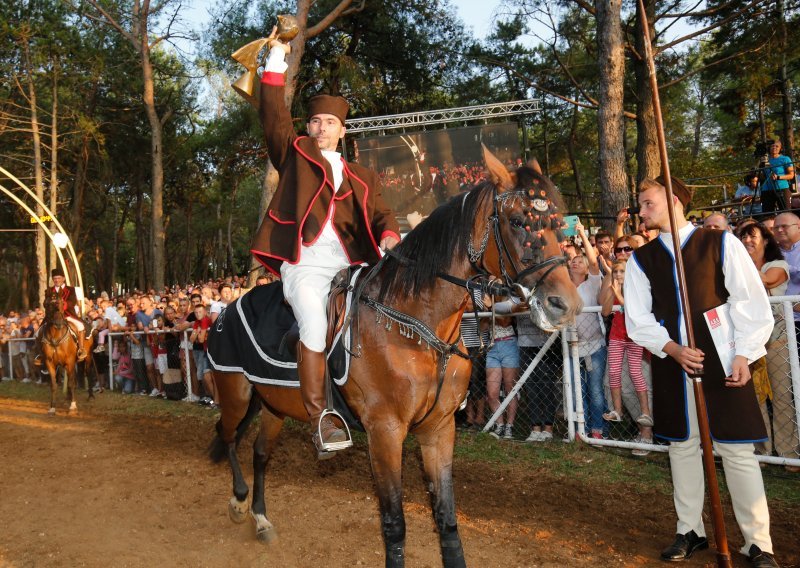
90 490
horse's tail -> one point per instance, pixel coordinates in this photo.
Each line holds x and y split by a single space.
218 449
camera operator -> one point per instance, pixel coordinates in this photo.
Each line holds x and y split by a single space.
777 171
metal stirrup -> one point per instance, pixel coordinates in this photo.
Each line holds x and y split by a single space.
331 412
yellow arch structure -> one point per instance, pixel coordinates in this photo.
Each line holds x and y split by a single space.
46 209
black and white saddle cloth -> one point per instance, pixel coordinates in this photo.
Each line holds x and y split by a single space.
248 337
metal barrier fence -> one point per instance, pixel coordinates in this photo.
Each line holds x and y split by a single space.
560 384
576 367
16 361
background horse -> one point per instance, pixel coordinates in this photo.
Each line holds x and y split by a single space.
60 350
404 378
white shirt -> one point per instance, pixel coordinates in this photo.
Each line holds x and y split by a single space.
749 305
591 335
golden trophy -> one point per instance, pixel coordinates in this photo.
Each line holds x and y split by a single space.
246 85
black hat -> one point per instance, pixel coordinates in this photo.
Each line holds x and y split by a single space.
57 272
326 104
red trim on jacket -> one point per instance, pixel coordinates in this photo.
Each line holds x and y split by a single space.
325 180
274 79
277 220
367 221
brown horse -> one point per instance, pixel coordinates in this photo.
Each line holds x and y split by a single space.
503 233
60 349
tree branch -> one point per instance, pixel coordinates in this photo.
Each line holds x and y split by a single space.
323 24
110 21
708 28
712 64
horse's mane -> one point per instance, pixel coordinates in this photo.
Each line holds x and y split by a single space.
431 247
433 244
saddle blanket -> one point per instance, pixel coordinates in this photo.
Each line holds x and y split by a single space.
248 337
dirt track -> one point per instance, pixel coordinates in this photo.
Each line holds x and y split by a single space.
87 490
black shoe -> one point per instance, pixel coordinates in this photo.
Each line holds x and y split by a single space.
684 546
760 559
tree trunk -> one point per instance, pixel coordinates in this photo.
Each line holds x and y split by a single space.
157 232
647 158
229 237
140 281
576 171
41 238
54 163
785 84
82 166
610 117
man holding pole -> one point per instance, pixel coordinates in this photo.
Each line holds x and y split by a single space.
718 271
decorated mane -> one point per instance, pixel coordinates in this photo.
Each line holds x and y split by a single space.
446 234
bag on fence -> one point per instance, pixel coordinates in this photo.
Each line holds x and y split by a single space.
174 385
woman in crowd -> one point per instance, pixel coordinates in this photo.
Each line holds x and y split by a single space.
584 271
502 366
766 254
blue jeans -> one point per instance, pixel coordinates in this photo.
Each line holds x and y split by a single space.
126 385
594 397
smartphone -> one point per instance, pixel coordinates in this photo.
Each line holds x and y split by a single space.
569 225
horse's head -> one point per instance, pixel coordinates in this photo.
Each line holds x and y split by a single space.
52 305
525 250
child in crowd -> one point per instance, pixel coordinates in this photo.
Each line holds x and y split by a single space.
199 339
620 345
124 377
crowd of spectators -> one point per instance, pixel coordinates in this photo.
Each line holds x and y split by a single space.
145 333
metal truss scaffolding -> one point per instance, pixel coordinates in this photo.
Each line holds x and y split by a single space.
460 114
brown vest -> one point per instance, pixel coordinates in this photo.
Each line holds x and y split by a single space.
733 413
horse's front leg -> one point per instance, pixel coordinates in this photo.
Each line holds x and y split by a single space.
262 449
72 384
51 369
386 458
437 457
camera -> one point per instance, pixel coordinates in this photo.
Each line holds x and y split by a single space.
762 149
634 210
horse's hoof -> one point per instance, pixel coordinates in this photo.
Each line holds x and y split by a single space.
265 531
73 406
52 411
237 510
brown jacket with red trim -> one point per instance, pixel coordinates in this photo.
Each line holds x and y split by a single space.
69 300
297 212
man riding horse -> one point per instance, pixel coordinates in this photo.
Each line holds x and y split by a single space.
326 215
69 306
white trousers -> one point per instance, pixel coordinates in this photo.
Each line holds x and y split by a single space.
76 322
743 476
306 286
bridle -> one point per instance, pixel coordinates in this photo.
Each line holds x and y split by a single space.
540 215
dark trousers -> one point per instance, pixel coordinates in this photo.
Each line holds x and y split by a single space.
772 200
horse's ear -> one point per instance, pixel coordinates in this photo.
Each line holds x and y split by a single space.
533 164
498 174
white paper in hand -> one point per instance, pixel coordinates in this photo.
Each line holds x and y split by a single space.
721 327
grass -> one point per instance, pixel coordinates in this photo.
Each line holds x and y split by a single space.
575 461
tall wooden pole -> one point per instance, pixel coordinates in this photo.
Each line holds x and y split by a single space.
718 521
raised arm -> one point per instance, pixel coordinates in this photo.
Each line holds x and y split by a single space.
276 120
591 254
